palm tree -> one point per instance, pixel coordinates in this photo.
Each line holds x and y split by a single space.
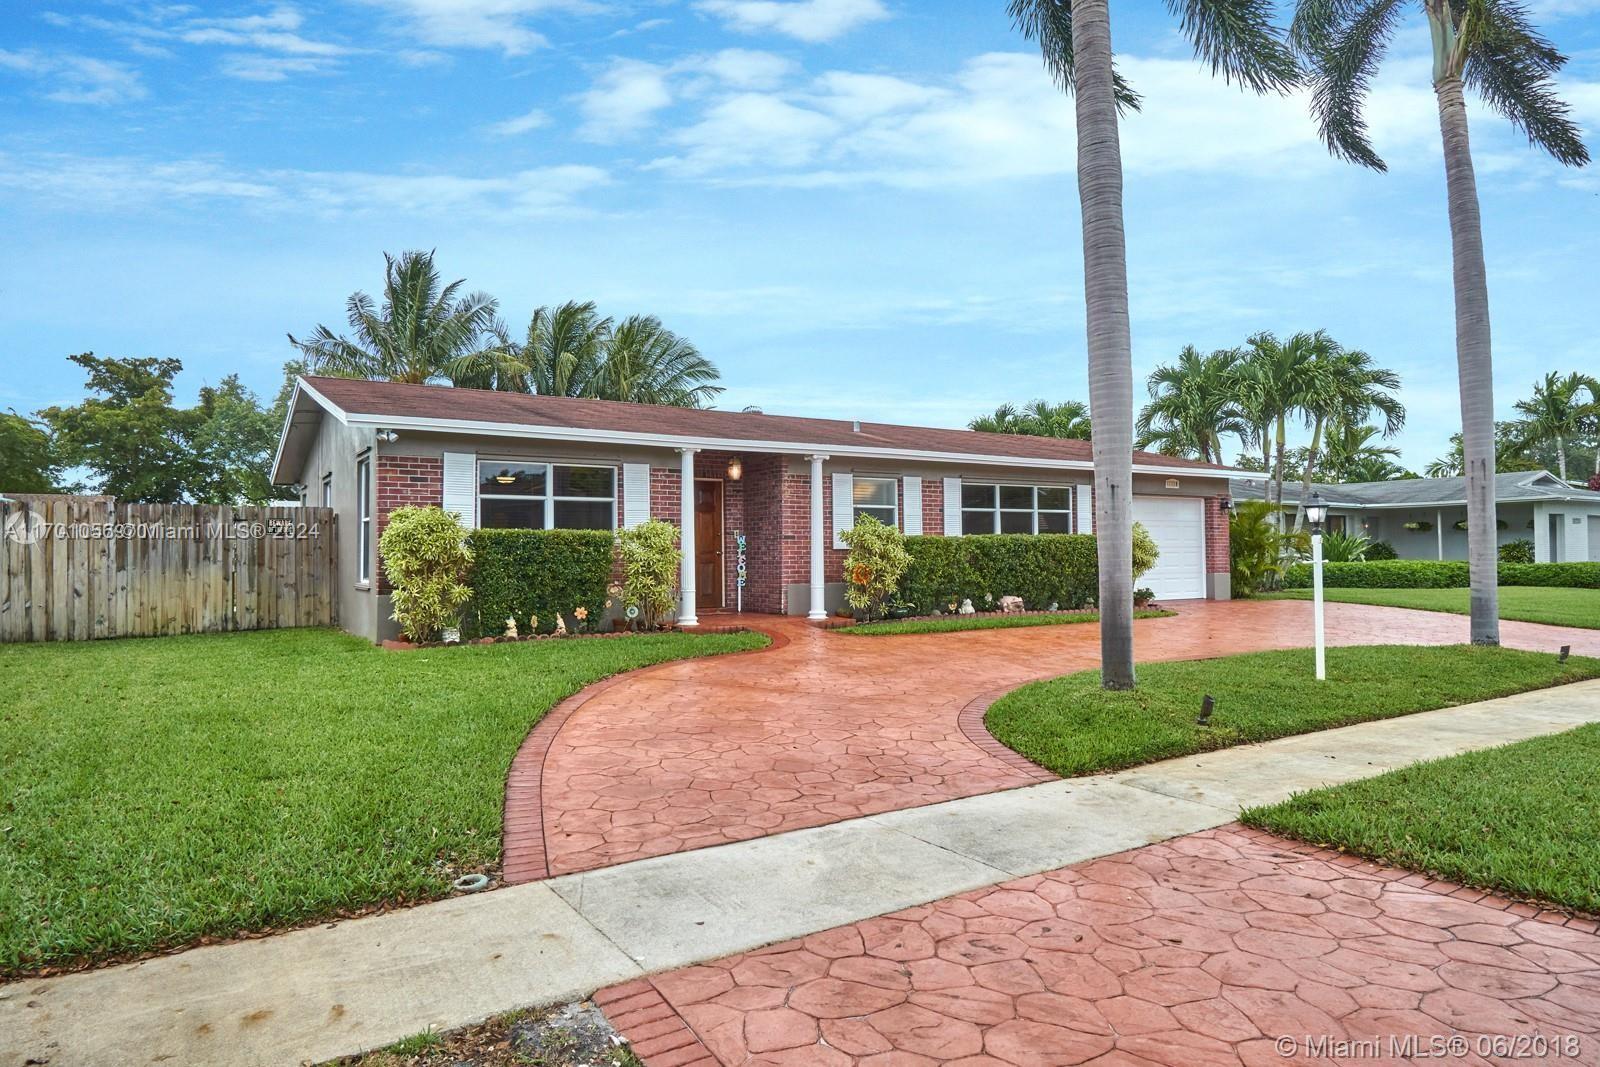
1352 456
570 350
1238 39
646 363
1557 413
1192 404
1039 418
1273 382
1491 46
423 332
1344 385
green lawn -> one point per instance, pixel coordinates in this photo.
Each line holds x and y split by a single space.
1524 603
1518 819
157 791
988 621
1072 726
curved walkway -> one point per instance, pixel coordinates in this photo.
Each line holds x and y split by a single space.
825 726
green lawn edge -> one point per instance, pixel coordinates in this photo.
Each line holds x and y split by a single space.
1515 820
956 623
1549 605
1070 726
157 793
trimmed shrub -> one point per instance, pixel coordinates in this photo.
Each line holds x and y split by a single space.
1145 551
650 558
1340 547
522 573
1380 550
874 567
424 558
1519 551
1042 569
1440 574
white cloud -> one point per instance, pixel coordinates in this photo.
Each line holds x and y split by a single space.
623 99
119 183
743 68
272 32
74 79
805 20
501 24
748 129
520 124
259 68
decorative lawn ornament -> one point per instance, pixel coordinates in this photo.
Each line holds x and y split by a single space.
561 626
967 608
511 626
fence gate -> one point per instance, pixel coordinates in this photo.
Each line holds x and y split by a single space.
80 568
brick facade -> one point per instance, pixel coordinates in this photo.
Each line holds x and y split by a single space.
404 482
1217 558
933 506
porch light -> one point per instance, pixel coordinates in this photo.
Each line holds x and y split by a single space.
735 469
1316 512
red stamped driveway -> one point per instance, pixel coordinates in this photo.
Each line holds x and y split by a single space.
1218 949
826 726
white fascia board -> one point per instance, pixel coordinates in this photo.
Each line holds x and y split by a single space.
301 386
737 444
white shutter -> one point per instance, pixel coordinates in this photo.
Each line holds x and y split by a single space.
1083 505
461 486
911 509
635 494
952 507
844 506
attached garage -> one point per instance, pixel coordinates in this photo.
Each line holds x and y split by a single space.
1178 525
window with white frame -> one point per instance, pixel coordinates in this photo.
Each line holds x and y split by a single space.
327 490
878 497
516 495
1015 509
364 519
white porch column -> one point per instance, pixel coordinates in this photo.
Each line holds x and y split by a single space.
686 590
1541 535
818 533
1438 526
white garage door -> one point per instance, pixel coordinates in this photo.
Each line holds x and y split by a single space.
1178 525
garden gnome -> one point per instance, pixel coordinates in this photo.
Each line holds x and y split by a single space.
561 626
511 626
967 608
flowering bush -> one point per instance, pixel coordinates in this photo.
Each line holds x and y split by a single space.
650 559
877 561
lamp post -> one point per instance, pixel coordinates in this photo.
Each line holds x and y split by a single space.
1316 512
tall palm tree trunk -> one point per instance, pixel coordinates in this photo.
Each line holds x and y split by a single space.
1277 476
1305 476
1473 360
1105 279
1561 457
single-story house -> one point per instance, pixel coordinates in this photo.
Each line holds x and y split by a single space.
1426 518
788 485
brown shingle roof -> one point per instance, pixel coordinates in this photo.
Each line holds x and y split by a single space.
398 401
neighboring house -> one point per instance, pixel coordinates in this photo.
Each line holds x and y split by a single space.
790 485
1426 518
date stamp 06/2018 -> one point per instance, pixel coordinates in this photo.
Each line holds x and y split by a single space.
1541 1047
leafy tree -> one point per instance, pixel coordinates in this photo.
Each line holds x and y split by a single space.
28 462
1557 414
233 439
650 565
127 434
570 350
1038 418
1193 402
423 332
1238 39
426 559
1492 47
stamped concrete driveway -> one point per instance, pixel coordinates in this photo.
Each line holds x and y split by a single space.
1227 948
826 726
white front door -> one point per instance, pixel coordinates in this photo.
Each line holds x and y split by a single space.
1179 527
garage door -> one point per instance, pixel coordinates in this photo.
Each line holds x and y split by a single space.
1178 525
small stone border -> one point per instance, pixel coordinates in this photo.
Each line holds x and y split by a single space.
970 721
412 646
836 623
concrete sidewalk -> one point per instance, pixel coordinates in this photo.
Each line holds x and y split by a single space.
317 993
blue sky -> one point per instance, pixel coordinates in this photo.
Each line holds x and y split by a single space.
857 208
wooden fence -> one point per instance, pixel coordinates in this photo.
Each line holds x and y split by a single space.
79 568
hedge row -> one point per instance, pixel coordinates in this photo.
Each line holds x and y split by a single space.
521 573
1439 574
1045 569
